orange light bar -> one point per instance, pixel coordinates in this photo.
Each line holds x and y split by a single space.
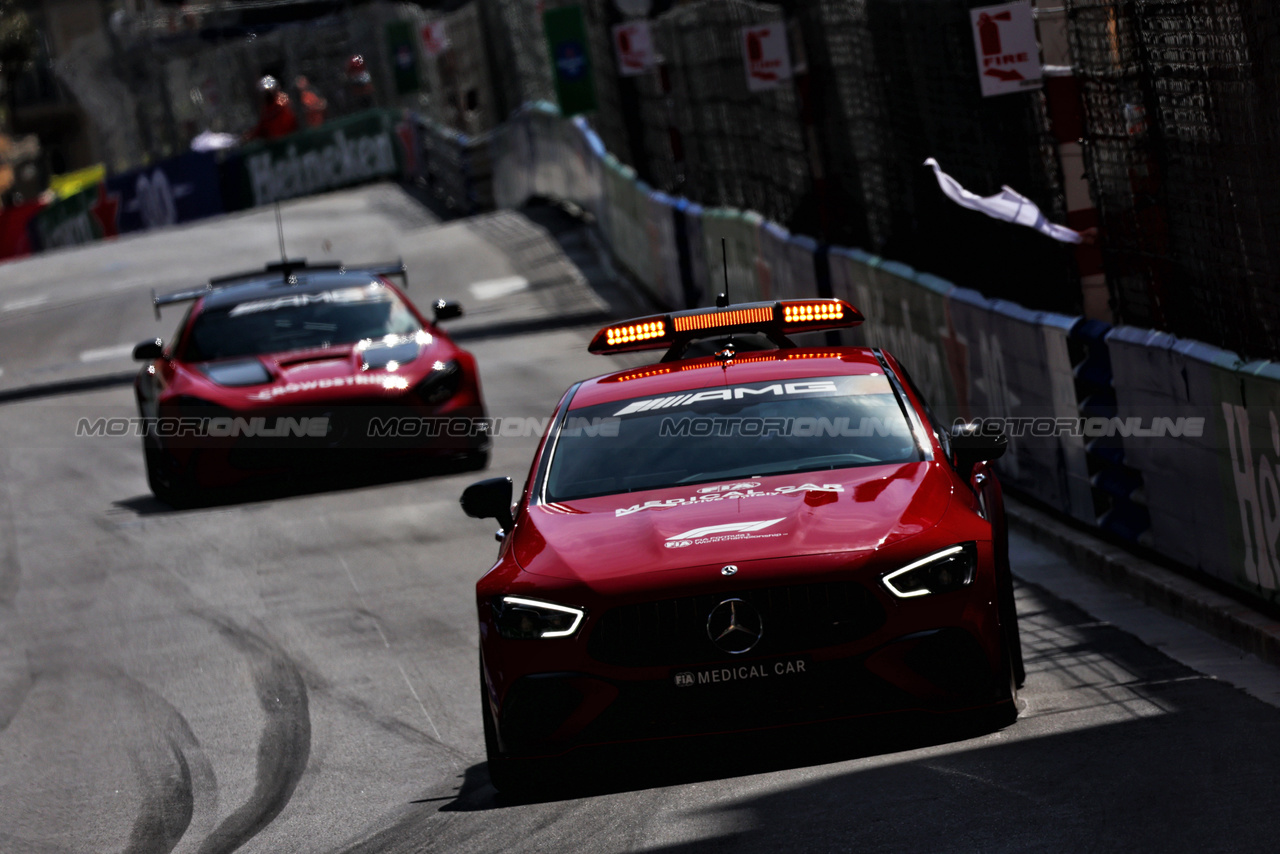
635 332
801 312
730 317
774 319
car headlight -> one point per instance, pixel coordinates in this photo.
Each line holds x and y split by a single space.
441 384
518 618
941 572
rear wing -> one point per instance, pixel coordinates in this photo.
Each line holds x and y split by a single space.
286 270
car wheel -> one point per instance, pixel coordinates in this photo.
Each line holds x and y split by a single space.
166 483
1010 635
504 772
1006 710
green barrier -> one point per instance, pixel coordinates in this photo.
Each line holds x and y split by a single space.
1249 398
79 218
340 153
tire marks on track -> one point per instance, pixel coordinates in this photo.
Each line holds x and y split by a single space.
171 768
284 746
16 678
10 568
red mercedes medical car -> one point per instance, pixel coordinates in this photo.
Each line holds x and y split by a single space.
303 366
741 540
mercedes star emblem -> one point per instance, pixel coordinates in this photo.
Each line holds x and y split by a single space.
734 626
728 570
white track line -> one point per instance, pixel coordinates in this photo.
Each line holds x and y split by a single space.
377 624
103 354
26 302
497 288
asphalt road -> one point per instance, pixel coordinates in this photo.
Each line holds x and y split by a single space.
299 673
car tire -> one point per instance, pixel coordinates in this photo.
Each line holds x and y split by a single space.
1009 634
166 483
505 773
1007 684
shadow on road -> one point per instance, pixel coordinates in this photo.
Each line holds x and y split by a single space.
328 479
628 768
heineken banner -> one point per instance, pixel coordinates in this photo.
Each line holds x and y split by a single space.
352 150
570 62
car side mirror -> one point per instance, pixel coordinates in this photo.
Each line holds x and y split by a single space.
446 309
973 448
148 350
490 499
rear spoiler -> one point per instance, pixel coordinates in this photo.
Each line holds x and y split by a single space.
285 269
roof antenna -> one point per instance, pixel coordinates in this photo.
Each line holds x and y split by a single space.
280 232
723 299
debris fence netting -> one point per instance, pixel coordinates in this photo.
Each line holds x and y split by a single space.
1181 121
1179 103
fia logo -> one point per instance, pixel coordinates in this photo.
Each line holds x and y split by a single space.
684 680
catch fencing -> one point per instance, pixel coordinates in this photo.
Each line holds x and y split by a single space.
1182 122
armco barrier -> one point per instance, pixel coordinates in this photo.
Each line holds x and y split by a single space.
626 203
588 151
801 278
699 287
1157 376
458 168
513 162
1016 366
660 227
771 265
741 234
908 317
1249 398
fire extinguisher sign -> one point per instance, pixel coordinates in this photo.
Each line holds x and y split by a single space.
765 53
1004 38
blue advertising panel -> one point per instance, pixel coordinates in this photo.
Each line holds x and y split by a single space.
179 189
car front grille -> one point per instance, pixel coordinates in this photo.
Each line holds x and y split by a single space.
673 632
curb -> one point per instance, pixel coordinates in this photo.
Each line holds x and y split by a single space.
1167 591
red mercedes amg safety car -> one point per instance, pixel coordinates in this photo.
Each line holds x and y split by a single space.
302 367
741 540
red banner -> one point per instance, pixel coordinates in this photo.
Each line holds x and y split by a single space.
14 241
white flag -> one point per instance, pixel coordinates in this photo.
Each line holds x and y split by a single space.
1008 205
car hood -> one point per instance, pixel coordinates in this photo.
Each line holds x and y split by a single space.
319 375
845 510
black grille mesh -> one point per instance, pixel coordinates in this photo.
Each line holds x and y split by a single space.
673 632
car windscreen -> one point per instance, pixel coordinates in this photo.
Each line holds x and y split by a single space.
299 321
735 431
